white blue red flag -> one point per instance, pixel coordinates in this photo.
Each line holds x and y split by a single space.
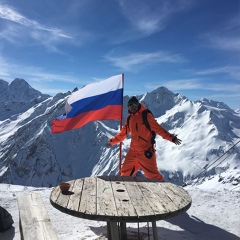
96 101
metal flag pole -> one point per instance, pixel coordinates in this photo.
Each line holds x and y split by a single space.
120 146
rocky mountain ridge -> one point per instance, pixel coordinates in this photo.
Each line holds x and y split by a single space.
31 155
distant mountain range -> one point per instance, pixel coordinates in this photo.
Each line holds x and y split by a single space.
30 155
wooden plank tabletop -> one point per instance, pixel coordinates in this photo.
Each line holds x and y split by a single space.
116 198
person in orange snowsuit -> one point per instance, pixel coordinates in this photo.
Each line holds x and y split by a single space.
142 152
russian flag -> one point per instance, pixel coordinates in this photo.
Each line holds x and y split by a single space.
96 101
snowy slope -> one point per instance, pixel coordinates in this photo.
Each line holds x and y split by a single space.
32 156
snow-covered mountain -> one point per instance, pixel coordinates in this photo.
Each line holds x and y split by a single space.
17 97
31 155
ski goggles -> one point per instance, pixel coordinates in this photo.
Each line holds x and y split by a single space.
133 107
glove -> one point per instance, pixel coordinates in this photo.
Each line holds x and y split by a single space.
109 144
176 140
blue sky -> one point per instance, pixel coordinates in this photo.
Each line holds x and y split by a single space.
191 47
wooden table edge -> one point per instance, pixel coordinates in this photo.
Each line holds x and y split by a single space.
106 218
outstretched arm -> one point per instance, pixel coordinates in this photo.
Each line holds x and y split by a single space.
158 129
120 136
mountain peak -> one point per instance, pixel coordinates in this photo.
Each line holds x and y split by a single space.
19 84
19 80
19 91
161 99
163 89
215 104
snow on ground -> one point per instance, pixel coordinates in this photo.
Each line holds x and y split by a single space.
214 214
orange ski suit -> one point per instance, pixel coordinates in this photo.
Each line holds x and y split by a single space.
140 142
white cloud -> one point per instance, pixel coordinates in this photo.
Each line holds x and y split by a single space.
224 42
148 17
233 71
19 29
10 14
134 61
184 84
225 38
197 84
225 95
10 33
31 73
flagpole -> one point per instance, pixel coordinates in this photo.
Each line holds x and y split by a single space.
120 146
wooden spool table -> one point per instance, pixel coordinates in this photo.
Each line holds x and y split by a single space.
118 200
